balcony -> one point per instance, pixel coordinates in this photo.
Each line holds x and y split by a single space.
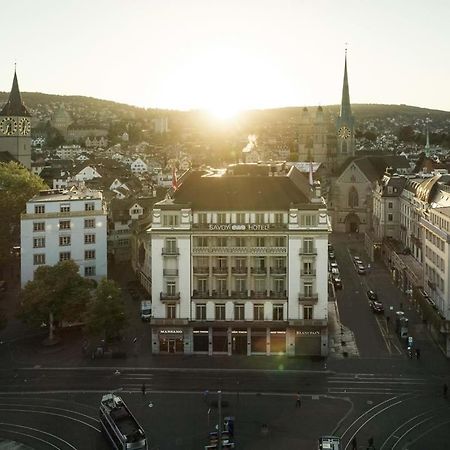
259 270
259 294
239 270
308 273
170 272
200 294
239 294
169 322
303 298
240 250
170 251
166 296
308 323
220 270
308 251
201 270
277 294
278 270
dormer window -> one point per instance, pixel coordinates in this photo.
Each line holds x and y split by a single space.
170 220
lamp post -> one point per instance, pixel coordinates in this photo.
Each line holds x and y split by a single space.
219 429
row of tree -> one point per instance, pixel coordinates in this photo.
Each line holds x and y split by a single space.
59 294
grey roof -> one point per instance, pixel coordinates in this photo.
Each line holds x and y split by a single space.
374 167
240 193
14 106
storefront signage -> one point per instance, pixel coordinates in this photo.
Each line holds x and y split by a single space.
278 332
239 227
308 333
238 332
171 331
200 332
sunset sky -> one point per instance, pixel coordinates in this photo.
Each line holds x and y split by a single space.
231 54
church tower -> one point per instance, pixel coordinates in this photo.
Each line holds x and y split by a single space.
345 123
15 127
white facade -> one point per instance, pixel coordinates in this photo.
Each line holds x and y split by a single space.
138 166
60 225
239 282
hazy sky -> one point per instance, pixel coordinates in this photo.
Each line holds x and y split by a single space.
230 54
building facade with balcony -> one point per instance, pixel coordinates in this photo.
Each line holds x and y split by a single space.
239 266
61 225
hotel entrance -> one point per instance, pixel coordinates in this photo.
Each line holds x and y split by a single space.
171 341
239 342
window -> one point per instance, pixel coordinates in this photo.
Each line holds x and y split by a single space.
390 205
260 285
220 311
38 226
241 263
390 217
89 223
259 218
280 263
308 246
64 224
279 285
307 268
278 312
64 256
170 220
171 311
221 218
89 206
89 271
240 217
260 262
308 289
202 285
171 288
39 259
89 238
64 240
260 242
39 209
307 220
353 199
221 262
39 242
308 312
258 311
200 311
241 285
239 311
89 254
221 286
64 207
280 241
201 241
221 242
240 242
123 243
203 218
278 218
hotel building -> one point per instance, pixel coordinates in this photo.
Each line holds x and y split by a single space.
237 261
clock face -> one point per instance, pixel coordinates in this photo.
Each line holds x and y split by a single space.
344 133
24 126
8 126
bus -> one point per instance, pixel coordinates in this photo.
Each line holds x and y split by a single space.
329 443
120 426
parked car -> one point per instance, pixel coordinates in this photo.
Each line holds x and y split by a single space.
333 264
331 256
361 269
335 272
337 282
371 295
357 260
377 306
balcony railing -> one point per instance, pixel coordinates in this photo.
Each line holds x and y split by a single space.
200 294
239 270
313 298
201 270
278 270
220 270
277 294
239 294
169 322
170 272
308 273
309 322
259 270
240 250
165 296
259 294
170 251
308 251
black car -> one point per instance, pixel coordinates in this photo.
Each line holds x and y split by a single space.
337 283
377 306
371 295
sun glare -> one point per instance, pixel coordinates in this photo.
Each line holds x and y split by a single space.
223 112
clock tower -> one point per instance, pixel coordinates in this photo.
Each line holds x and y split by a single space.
345 123
15 127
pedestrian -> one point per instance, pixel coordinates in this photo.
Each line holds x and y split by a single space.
445 390
418 353
143 388
205 396
354 444
298 401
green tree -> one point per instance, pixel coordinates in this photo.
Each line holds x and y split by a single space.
105 316
17 186
57 293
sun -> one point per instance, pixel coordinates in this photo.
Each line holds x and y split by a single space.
223 111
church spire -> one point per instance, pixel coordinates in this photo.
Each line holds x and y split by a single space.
346 110
14 106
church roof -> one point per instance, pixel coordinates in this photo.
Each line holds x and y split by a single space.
14 106
346 110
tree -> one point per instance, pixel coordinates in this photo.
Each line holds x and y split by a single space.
57 293
105 316
17 186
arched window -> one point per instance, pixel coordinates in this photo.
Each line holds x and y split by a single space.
344 147
353 200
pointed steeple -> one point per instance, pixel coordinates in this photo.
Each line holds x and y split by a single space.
14 106
346 110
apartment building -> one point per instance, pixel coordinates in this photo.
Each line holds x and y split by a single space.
238 265
60 225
